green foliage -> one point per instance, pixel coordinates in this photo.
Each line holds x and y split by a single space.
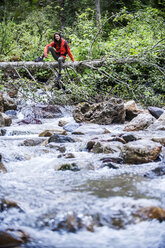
136 35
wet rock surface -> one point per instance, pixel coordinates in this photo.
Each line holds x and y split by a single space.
156 112
141 122
108 112
32 142
12 238
151 213
5 120
60 139
131 109
141 151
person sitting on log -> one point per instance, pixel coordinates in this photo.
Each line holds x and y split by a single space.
59 48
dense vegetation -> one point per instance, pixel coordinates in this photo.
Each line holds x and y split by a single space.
129 36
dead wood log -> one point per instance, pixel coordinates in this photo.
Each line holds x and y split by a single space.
48 65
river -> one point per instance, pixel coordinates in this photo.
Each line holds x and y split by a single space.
88 208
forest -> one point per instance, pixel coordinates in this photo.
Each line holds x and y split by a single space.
126 36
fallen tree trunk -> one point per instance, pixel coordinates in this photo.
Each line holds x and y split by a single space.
48 65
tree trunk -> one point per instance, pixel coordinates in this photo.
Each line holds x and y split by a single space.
98 12
48 65
62 15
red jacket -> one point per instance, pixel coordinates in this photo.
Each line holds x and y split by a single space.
60 50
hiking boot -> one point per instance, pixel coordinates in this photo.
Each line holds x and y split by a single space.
39 59
58 77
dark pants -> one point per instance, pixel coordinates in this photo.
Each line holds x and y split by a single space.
60 59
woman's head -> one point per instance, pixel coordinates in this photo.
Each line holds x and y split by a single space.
57 37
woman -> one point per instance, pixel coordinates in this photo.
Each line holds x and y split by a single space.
59 49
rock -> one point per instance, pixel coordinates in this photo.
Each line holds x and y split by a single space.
47 111
70 127
140 151
128 137
5 120
29 121
6 204
41 111
156 112
60 139
68 166
12 238
2 132
141 122
2 168
151 213
159 124
62 123
13 92
159 171
106 147
111 111
90 144
69 155
160 140
32 142
9 103
1 102
131 110
162 117
49 133
59 147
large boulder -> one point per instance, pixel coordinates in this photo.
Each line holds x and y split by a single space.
140 151
5 120
131 109
141 122
111 111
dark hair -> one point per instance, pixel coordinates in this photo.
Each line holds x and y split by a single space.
55 39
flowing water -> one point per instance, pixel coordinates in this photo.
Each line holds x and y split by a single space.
99 201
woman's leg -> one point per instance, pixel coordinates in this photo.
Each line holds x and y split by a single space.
53 52
61 60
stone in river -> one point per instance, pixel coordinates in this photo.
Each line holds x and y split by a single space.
140 151
60 139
